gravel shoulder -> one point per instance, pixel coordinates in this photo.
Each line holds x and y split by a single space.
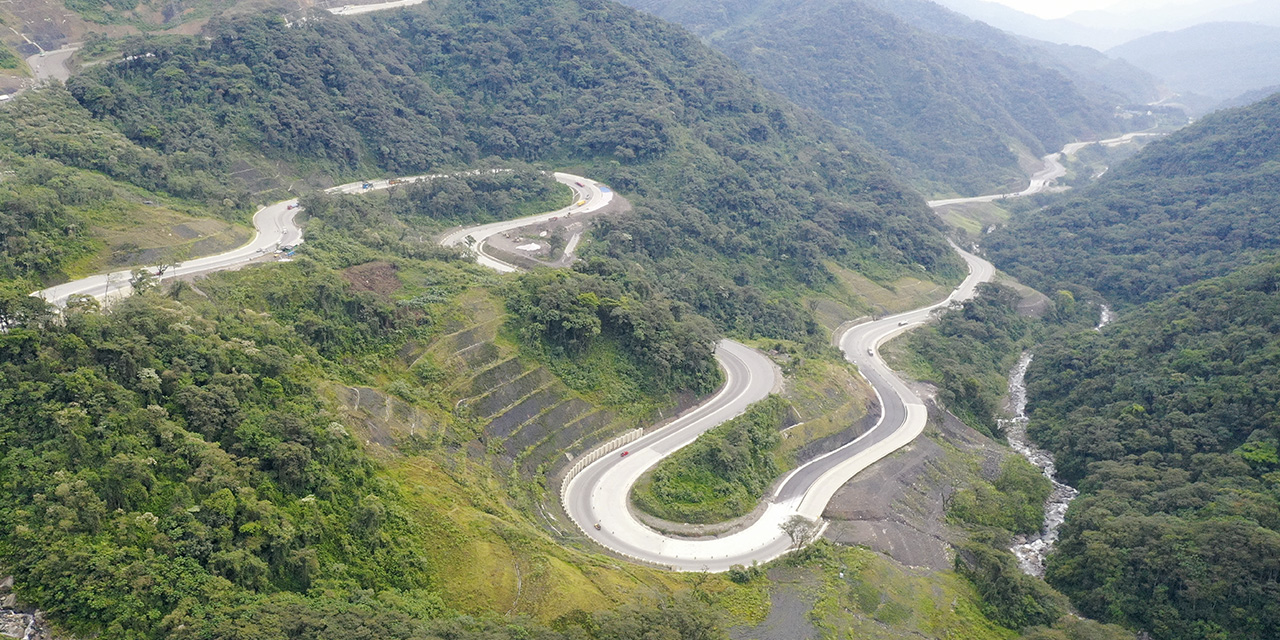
898 506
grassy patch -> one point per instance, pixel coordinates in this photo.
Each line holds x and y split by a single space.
974 218
901 357
496 560
720 476
9 60
127 234
742 603
828 395
889 297
862 594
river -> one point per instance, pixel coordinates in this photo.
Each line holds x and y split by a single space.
1108 316
1032 550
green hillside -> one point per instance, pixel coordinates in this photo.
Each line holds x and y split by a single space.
1164 420
79 197
355 441
1167 424
1104 80
1220 60
198 465
951 114
1193 206
363 441
737 191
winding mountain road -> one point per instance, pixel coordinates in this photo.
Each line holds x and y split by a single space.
600 492
1052 170
592 195
275 227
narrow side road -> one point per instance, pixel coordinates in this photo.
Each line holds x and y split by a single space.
275 227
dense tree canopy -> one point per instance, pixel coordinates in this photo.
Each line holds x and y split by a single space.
768 191
1194 206
947 111
970 351
68 171
567 310
723 474
1167 423
156 459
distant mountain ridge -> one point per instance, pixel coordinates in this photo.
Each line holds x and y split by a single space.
1155 16
1059 31
1105 29
1221 59
1098 76
946 110
1193 206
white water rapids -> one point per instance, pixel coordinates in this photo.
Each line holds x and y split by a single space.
1032 550
1108 316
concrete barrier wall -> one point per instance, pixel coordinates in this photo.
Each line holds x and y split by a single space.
593 455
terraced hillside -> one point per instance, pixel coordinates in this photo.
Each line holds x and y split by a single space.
504 408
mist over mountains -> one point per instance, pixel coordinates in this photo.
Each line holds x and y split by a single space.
1210 53
953 113
1220 60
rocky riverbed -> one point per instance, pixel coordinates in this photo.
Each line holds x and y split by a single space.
17 621
1032 550
1107 316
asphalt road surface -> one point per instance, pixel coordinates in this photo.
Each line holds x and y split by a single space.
356 9
600 493
1053 170
275 228
593 196
51 65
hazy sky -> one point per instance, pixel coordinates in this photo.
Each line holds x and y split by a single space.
1059 8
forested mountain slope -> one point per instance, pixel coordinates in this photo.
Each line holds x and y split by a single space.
945 110
1196 205
179 467
1105 80
80 196
1166 422
318 448
205 463
761 193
